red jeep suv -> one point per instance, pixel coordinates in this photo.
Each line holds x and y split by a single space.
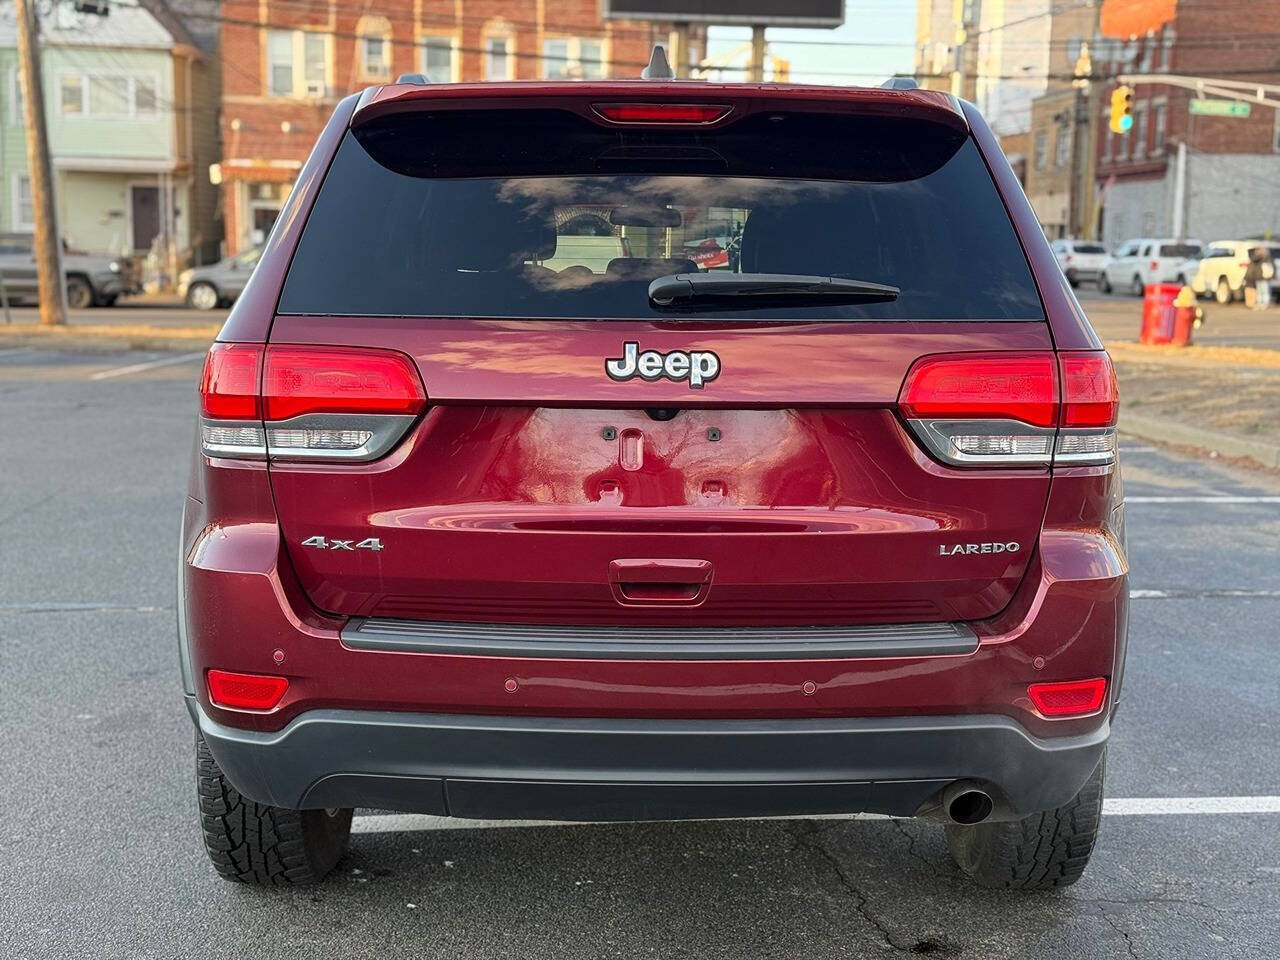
639 450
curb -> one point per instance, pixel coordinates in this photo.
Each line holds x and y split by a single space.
77 337
1225 444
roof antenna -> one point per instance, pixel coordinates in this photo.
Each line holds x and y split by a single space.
658 68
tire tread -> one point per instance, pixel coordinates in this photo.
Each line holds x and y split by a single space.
255 843
1042 851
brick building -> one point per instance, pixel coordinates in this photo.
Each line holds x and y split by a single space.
285 63
1232 176
1055 142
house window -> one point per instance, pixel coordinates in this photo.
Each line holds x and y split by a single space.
24 212
1063 156
1148 53
298 63
70 94
144 96
15 98
499 64
104 95
1139 133
1042 149
437 59
374 61
1166 49
572 58
373 47
108 96
1159 111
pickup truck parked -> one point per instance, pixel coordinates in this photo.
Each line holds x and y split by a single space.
92 280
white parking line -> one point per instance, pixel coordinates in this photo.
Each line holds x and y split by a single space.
13 351
1225 593
1172 806
1213 499
1114 807
148 365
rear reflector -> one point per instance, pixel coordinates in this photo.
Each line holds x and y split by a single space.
318 403
245 691
662 112
1015 386
229 386
1074 698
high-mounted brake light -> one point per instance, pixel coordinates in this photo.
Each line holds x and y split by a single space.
246 691
313 403
1073 698
662 112
1004 409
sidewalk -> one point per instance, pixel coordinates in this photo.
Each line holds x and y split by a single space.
147 322
1223 400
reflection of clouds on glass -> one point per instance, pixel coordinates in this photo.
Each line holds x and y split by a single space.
538 193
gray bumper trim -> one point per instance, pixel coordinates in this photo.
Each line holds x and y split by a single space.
660 643
597 769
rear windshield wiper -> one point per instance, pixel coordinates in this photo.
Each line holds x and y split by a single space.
694 290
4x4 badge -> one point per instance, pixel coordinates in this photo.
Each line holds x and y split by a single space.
697 366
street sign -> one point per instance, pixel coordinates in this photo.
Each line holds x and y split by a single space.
767 13
1221 108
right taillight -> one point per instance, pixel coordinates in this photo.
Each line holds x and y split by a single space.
1013 409
1090 407
306 403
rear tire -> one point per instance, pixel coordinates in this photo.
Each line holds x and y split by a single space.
1135 286
258 844
202 296
1104 285
1039 852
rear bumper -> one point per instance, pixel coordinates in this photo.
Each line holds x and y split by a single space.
625 769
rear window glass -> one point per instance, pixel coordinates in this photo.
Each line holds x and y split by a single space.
544 214
1183 250
1090 248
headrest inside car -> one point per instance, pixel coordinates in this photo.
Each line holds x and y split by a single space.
648 268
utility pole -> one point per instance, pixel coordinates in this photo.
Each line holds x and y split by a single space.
757 54
48 246
1085 225
679 40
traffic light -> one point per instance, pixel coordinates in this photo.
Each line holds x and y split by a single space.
1122 109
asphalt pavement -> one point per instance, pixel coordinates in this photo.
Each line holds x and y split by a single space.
100 853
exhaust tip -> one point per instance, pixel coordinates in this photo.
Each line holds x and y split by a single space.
969 807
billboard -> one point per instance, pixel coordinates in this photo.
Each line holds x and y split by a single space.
765 13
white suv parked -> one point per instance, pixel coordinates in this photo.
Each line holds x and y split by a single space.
1220 272
1137 263
1078 259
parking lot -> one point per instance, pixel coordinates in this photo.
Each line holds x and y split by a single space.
100 852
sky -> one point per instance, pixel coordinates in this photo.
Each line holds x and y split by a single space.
876 41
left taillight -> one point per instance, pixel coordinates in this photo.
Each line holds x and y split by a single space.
287 402
1013 409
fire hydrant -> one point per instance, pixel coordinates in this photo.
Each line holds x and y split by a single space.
1187 316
